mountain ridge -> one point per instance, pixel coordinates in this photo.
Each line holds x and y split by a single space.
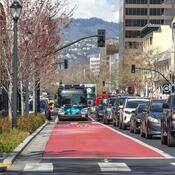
81 27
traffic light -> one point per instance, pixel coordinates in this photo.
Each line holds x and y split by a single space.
133 68
65 64
103 83
101 38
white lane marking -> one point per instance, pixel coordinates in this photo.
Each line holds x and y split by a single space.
56 120
41 167
106 160
114 167
92 119
140 142
173 164
74 123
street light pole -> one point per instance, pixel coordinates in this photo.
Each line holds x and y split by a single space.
16 9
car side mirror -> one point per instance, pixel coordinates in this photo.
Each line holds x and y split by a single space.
145 110
165 106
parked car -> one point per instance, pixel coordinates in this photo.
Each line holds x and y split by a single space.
129 106
136 118
44 107
118 105
107 117
100 111
151 119
168 122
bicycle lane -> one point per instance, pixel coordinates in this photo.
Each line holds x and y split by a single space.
95 140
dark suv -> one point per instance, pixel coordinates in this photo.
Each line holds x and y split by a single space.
168 122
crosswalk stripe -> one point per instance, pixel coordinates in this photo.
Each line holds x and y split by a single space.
106 166
173 164
40 167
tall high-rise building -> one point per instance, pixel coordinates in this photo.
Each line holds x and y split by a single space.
134 15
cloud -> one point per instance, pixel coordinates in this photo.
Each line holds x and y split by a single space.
104 9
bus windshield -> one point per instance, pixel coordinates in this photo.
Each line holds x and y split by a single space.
76 97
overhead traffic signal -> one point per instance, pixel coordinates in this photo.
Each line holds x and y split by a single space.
65 64
133 68
101 37
103 83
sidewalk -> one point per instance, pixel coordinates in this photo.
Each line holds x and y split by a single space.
34 151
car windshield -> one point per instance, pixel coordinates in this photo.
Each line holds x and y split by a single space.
42 105
140 108
112 101
134 104
156 107
51 97
120 101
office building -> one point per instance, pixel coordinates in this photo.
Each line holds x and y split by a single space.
95 65
134 15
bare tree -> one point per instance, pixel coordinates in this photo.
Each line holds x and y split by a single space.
45 19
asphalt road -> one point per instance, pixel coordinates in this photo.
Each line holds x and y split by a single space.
34 162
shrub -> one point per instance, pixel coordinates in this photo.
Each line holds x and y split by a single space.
11 138
31 123
9 141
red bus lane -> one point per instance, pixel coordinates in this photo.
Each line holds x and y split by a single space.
94 140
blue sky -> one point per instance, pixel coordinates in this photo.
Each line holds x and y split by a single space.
104 9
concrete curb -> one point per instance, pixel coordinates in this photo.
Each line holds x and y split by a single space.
12 156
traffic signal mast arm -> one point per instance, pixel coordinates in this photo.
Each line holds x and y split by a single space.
69 44
153 70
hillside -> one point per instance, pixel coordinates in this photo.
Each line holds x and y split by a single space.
83 50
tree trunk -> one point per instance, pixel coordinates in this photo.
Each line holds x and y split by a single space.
10 101
22 98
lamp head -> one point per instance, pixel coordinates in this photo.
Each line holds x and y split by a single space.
27 36
15 10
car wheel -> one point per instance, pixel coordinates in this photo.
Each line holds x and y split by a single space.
148 136
114 122
135 131
141 133
107 121
104 120
163 139
120 125
117 123
170 139
123 126
131 129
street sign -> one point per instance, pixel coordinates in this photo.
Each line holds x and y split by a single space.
166 89
146 72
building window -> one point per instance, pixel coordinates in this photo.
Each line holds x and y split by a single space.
135 22
136 11
156 1
136 1
156 21
132 34
156 11
132 45
151 40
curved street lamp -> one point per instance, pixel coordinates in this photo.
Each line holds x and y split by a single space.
15 10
